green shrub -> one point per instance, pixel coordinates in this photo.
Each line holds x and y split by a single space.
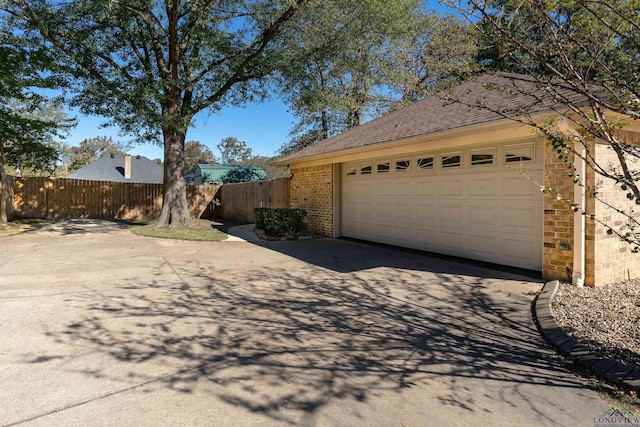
281 222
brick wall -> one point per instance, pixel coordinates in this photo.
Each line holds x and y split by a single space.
312 189
558 218
613 259
607 258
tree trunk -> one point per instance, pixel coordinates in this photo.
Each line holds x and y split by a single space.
4 217
175 211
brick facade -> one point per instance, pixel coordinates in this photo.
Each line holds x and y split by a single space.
607 258
312 190
557 253
613 259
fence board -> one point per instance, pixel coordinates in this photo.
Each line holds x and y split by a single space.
239 200
64 197
279 193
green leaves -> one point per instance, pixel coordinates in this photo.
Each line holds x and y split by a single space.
233 151
153 65
281 222
28 119
352 61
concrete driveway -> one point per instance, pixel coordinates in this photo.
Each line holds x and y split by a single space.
102 327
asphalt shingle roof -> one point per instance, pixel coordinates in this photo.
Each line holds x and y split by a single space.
440 113
108 168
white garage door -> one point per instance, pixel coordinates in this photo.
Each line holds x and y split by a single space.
475 203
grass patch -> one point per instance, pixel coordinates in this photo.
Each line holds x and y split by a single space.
202 230
18 226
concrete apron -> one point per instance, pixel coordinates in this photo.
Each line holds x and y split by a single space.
102 327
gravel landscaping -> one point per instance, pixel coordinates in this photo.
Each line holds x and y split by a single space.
605 318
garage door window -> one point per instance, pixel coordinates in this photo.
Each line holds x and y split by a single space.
451 160
518 153
351 172
365 170
403 165
425 163
482 158
383 167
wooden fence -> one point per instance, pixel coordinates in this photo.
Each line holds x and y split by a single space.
41 197
63 197
239 200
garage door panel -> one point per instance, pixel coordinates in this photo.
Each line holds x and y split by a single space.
451 188
485 215
401 211
368 190
521 186
403 189
425 188
522 219
483 187
520 252
367 229
450 239
481 245
384 211
451 213
383 188
424 212
490 214
426 235
404 234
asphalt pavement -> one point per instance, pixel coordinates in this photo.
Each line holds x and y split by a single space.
105 328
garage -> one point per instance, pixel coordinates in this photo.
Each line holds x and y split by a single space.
482 203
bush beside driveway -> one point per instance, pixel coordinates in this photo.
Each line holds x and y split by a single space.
107 328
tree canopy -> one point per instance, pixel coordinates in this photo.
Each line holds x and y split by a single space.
233 151
196 153
361 59
28 120
151 66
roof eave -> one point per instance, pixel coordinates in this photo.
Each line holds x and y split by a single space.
446 134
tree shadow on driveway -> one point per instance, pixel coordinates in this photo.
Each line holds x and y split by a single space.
288 342
76 226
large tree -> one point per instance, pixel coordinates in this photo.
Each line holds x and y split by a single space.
196 153
233 151
361 59
152 65
28 120
438 52
584 56
337 64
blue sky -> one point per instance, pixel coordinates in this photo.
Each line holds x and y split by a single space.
264 127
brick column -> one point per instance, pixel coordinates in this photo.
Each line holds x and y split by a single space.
312 190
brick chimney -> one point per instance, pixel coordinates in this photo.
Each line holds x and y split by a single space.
127 166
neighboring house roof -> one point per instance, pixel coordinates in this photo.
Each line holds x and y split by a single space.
231 173
111 168
446 111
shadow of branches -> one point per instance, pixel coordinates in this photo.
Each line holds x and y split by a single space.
285 340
